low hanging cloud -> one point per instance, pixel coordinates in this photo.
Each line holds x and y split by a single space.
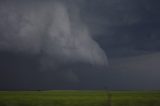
52 29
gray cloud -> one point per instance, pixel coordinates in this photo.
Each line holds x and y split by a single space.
51 29
122 28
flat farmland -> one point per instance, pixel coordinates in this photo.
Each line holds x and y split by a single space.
79 98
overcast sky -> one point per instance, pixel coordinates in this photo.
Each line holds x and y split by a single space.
74 44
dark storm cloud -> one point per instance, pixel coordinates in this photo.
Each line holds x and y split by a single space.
127 30
130 25
36 26
53 32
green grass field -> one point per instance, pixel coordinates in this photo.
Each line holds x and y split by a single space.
78 98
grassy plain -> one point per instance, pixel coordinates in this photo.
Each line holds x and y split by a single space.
78 98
